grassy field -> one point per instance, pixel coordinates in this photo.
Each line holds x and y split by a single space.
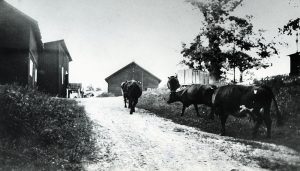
287 93
38 132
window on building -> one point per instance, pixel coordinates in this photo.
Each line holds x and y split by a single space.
30 67
62 75
35 75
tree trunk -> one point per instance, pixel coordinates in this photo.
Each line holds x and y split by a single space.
234 75
241 76
215 72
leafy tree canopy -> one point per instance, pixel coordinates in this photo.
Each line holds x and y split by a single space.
225 38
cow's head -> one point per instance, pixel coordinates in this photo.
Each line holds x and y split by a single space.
123 84
173 83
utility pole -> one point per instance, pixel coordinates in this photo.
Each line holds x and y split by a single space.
297 40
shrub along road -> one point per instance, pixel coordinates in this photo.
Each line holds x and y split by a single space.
143 141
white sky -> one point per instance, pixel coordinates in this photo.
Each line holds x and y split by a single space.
104 35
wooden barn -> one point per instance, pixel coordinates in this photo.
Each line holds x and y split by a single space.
20 46
294 64
131 71
53 75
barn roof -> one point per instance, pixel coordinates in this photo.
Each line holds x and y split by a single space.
33 22
295 54
63 44
132 63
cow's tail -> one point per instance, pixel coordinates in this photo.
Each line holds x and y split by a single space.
278 114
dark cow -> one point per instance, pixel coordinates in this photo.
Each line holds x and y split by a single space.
173 83
193 94
133 94
124 92
240 100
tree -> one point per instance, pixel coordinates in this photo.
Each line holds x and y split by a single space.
209 57
292 27
225 39
238 34
244 39
90 88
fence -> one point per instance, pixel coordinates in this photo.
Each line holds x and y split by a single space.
191 76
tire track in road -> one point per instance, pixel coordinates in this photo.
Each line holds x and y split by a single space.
143 141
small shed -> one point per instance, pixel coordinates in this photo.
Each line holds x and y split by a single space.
294 64
132 71
74 88
20 46
53 75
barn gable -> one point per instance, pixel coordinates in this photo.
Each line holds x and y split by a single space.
20 46
131 71
10 17
128 66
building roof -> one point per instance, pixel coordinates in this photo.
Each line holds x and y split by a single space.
63 44
295 54
33 22
75 86
132 63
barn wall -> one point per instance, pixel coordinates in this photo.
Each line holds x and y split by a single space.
150 82
14 46
48 69
63 69
52 78
114 84
295 65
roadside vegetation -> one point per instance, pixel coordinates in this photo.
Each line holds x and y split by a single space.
106 94
286 90
38 132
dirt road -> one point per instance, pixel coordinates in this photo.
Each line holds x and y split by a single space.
143 141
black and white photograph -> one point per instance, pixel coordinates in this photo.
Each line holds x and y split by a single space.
162 85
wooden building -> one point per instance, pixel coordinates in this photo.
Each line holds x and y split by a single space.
294 64
131 71
75 88
53 75
192 76
20 46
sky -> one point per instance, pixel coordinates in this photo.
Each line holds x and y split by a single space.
103 36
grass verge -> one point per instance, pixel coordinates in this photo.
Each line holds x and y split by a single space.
38 132
287 92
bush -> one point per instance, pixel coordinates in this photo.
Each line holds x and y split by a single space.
279 81
50 132
106 94
287 93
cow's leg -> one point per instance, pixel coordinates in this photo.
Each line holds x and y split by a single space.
125 102
135 101
258 122
196 108
183 109
212 113
131 109
131 105
267 120
128 103
223 119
